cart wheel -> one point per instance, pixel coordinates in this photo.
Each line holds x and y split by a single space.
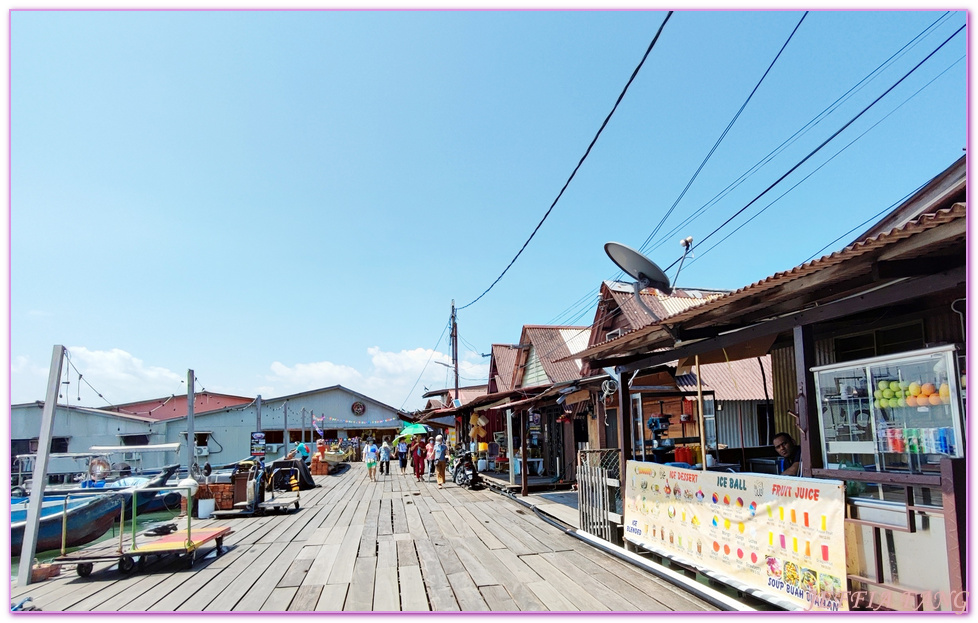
191 558
84 569
126 564
141 564
297 505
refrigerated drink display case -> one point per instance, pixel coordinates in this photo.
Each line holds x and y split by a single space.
893 413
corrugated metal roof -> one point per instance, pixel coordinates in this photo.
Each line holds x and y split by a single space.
551 345
504 359
734 380
662 305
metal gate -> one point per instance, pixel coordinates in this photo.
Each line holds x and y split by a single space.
599 493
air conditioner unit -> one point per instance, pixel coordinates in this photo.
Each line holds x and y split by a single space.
201 451
130 456
610 335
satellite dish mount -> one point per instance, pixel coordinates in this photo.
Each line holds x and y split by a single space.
640 268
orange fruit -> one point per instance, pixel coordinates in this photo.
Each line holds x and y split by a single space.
927 389
934 399
911 401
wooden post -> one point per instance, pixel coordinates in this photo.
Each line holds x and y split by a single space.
524 428
29 545
624 432
509 447
702 420
806 403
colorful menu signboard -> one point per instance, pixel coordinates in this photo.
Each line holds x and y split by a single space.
782 536
258 444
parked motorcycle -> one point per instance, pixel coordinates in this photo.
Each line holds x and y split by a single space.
464 472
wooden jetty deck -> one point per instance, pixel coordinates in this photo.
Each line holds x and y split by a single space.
393 545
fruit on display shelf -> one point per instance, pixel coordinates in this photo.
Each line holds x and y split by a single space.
914 394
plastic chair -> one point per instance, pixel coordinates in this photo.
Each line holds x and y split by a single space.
492 453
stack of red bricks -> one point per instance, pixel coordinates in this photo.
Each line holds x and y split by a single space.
318 467
223 496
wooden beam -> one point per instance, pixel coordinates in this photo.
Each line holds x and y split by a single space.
897 269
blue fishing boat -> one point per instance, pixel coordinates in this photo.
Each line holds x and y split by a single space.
145 500
88 518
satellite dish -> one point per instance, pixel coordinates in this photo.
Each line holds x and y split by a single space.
641 268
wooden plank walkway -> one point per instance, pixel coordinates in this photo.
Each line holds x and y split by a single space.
392 545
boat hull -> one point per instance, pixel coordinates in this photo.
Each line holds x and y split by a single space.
86 523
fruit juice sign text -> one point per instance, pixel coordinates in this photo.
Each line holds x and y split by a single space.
783 536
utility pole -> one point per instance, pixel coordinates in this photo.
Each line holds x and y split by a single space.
455 346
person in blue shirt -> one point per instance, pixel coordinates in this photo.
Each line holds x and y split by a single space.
789 455
301 451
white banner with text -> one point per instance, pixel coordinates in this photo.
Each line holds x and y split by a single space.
780 535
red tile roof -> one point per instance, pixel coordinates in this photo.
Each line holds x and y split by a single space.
652 336
176 406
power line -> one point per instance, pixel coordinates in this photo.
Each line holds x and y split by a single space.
817 119
830 138
572 311
724 133
426 364
580 162
830 159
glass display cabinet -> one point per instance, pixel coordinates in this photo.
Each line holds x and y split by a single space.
894 413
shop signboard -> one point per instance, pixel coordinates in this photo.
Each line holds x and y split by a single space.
780 536
258 444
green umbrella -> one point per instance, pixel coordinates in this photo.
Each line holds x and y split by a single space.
411 430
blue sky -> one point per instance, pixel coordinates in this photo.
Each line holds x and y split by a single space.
290 200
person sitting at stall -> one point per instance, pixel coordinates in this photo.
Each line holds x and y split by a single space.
789 455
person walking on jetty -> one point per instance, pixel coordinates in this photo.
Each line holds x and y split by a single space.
370 458
402 454
430 458
441 460
385 457
417 455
